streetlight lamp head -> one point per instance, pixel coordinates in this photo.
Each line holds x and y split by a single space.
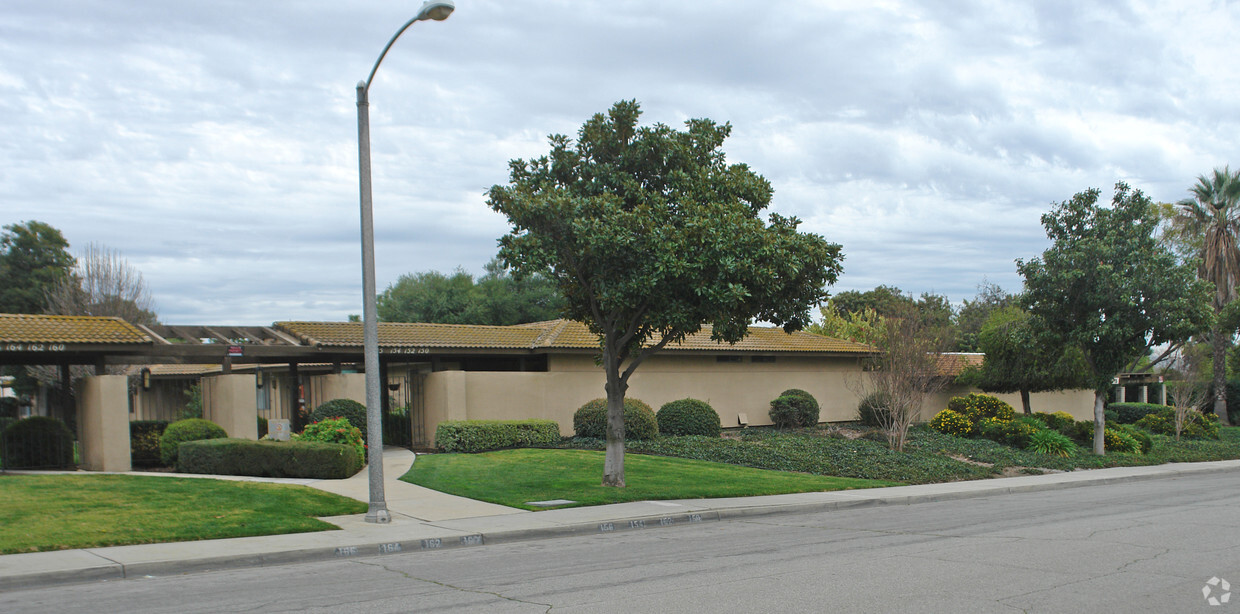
437 11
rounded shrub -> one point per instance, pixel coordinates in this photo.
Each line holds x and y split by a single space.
1145 443
977 407
335 430
1060 421
1116 441
688 417
348 409
951 422
794 410
37 442
871 409
181 431
640 421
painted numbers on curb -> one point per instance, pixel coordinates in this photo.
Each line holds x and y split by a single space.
606 527
695 518
389 548
346 551
431 544
471 540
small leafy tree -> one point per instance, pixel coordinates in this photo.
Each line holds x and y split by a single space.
649 235
1017 361
1107 288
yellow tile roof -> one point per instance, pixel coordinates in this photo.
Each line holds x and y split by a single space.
952 364
553 334
23 328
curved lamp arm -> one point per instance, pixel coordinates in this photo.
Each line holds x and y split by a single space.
437 11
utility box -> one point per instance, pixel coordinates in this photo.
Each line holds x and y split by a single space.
278 429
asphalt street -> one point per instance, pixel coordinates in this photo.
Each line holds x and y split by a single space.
1144 546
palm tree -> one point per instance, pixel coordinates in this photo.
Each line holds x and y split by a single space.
1214 214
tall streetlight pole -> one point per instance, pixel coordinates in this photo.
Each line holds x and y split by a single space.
378 512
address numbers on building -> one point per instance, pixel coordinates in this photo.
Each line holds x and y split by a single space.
34 347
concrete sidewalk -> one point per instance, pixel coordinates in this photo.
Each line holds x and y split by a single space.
424 519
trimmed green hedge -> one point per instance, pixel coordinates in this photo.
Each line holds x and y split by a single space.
1129 413
190 429
483 435
273 459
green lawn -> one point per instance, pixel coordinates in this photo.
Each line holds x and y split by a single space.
57 512
516 477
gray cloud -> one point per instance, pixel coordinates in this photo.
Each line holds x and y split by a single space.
214 144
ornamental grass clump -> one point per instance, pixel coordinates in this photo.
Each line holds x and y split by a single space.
1051 443
335 430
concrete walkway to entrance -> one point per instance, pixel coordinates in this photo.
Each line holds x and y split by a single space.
424 519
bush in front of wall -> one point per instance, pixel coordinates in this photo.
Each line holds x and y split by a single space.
871 410
483 435
335 430
794 411
144 436
1060 421
951 422
688 417
640 421
1116 441
348 409
275 459
37 442
978 407
181 431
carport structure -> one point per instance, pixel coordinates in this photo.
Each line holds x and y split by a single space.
102 400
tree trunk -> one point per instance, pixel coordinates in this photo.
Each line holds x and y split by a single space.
1100 422
613 462
1024 401
1220 374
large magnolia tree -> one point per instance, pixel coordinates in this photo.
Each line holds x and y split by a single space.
1107 289
650 235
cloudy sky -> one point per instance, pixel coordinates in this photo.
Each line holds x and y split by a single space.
214 144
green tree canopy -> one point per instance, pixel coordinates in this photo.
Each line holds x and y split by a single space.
972 315
1017 360
33 257
934 310
1108 289
496 298
649 235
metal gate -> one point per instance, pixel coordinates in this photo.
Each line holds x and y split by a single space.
405 423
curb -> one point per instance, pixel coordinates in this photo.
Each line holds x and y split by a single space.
109 569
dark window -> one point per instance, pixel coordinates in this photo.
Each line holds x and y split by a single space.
761 359
729 359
